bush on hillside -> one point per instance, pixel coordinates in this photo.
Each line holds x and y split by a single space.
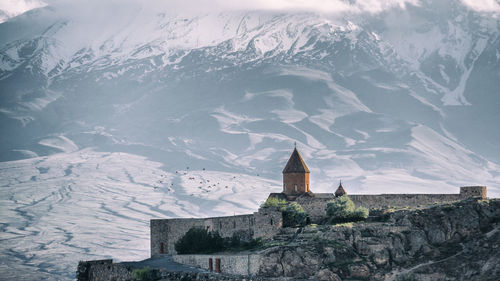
144 274
273 202
294 215
342 209
200 241
360 214
235 244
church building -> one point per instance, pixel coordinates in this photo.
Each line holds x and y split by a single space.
295 175
267 222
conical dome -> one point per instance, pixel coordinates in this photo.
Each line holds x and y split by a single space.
295 164
340 190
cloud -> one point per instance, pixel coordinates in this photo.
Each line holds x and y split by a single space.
12 8
483 5
323 6
197 6
15 7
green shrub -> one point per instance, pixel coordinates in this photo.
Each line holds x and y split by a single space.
235 241
360 214
252 244
200 241
235 244
342 209
273 202
294 215
144 274
344 224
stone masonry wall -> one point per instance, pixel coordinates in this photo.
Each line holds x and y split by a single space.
315 206
401 200
232 264
99 270
268 222
168 231
119 272
473 191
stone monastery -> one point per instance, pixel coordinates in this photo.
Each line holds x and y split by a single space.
267 222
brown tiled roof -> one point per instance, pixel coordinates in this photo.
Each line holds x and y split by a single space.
295 164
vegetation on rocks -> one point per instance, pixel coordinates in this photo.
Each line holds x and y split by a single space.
273 202
342 209
294 215
235 244
435 243
144 274
201 241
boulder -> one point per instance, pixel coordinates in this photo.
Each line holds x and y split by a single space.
327 275
359 271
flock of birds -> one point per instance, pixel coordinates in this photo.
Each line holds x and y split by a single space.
203 183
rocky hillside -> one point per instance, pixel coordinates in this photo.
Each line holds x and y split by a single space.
457 241
449 242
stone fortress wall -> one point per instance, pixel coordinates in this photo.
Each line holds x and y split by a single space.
240 264
315 205
266 222
165 232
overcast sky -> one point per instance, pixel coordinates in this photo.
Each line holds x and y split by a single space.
14 7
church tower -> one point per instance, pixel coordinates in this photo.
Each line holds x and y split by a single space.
295 175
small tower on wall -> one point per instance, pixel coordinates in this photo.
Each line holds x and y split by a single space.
340 190
295 175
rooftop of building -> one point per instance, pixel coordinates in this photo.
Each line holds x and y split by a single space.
295 164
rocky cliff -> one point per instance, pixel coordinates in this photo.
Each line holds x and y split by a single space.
449 242
457 241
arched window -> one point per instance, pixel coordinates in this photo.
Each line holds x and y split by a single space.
295 187
284 187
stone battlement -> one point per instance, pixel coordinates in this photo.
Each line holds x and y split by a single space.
473 191
315 203
165 232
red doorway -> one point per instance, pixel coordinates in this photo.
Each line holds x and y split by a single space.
217 265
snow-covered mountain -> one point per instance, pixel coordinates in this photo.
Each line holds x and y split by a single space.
116 115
